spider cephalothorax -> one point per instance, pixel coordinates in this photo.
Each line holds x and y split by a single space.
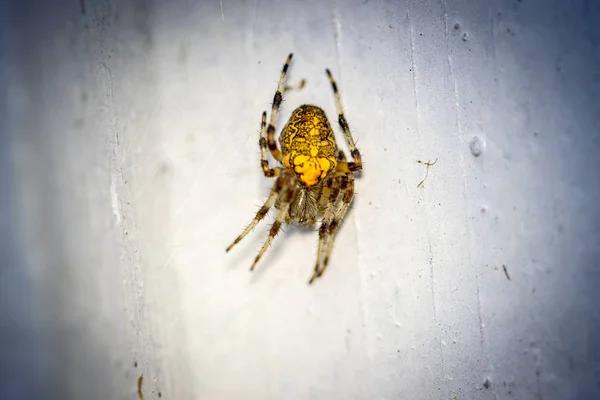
316 179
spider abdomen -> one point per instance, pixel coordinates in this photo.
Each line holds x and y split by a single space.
308 145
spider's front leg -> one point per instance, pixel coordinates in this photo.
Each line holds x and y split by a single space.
267 134
264 162
275 192
282 215
356 164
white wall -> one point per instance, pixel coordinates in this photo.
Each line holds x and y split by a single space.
130 161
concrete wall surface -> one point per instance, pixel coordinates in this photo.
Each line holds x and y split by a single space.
130 160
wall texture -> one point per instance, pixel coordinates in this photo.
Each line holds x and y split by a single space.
129 161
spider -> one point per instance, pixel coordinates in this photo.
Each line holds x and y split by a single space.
315 179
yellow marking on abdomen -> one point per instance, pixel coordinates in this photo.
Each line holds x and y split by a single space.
325 166
311 169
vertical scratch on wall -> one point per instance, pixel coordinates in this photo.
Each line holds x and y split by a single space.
114 199
431 269
105 70
449 59
538 365
364 311
412 62
337 34
433 301
251 30
464 185
462 163
493 52
103 27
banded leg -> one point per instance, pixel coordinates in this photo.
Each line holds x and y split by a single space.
334 192
272 144
281 215
357 164
261 213
323 197
348 191
264 162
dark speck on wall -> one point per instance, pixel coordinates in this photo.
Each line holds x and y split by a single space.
476 145
505 272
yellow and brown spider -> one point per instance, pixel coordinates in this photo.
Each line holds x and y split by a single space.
316 179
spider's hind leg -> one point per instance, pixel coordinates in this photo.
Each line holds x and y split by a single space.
341 195
333 191
348 193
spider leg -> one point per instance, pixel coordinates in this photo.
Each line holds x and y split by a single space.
356 165
264 162
281 216
347 188
333 186
261 213
277 98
